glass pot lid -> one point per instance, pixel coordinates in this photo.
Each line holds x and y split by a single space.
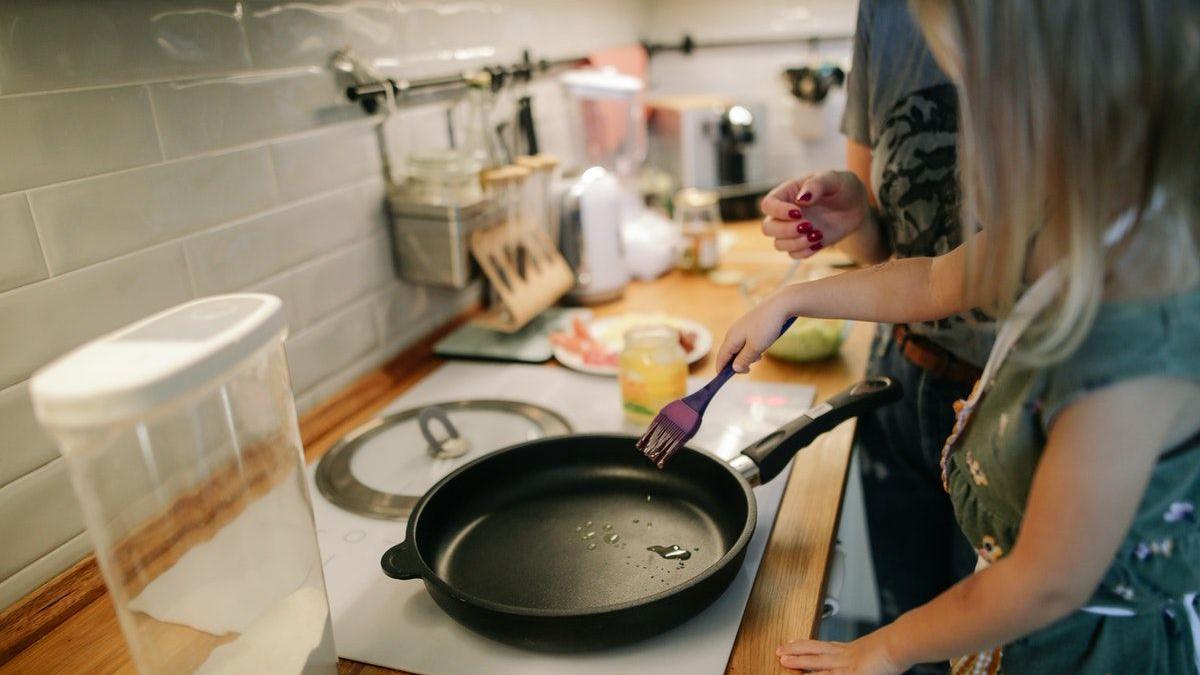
382 468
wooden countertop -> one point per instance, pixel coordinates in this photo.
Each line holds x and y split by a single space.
68 625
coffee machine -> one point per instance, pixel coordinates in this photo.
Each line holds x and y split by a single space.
710 142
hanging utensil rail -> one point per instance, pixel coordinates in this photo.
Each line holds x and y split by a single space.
369 94
497 77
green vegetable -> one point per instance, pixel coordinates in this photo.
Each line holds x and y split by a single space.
809 340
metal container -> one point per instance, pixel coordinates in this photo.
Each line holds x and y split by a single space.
432 242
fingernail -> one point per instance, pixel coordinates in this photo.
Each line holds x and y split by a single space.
817 246
795 214
815 235
803 227
806 196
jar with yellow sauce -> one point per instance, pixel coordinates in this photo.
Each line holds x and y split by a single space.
652 371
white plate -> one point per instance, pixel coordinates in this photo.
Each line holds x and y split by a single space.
611 330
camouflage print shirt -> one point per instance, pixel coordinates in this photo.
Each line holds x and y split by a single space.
903 107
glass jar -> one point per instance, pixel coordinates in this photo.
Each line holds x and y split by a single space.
652 371
699 218
179 434
443 179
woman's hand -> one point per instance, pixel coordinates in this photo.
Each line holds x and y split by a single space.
805 215
753 333
865 656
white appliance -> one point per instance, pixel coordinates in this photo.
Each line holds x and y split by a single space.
682 138
598 197
396 624
704 140
589 211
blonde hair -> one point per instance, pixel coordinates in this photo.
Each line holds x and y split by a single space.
1072 112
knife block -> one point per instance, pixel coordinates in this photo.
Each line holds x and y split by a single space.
523 265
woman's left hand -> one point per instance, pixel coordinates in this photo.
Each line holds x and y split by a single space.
865 656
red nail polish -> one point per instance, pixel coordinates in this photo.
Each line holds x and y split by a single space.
815 235
794 214
817 246
806 196
803 227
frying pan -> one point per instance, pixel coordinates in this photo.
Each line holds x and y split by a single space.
518 545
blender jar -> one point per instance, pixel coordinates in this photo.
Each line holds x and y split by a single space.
179 434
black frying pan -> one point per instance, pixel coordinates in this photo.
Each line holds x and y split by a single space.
503 542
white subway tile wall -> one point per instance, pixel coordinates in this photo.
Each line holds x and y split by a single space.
160 150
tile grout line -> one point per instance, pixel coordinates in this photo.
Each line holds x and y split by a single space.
27 474
187 80
187 268
238 221
279 208
276 192
337 314
208 154
162 148
37 232
319 259
47 554
332 319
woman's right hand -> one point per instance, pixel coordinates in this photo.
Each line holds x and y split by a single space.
805 215
754 332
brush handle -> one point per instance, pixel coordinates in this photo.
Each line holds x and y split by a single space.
699 400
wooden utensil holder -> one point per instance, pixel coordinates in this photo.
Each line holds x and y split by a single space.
547 277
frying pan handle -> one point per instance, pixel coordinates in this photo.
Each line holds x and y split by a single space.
773 453
401 562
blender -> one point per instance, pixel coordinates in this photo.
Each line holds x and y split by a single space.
596 196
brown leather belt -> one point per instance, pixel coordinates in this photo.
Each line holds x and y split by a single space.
933 358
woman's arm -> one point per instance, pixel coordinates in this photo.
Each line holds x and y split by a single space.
1086 490
867 245
898 291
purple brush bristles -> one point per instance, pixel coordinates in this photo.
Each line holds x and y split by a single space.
671 429
678 421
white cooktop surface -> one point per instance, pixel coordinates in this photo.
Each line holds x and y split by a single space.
396 624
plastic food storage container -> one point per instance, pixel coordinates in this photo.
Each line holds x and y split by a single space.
179 434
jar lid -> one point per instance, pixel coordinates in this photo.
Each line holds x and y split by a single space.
439 165
695 197
134 370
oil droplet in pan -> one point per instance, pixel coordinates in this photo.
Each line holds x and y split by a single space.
587 535
607 526
612 537
672 552
592 547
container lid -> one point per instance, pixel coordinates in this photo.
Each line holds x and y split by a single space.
155 361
